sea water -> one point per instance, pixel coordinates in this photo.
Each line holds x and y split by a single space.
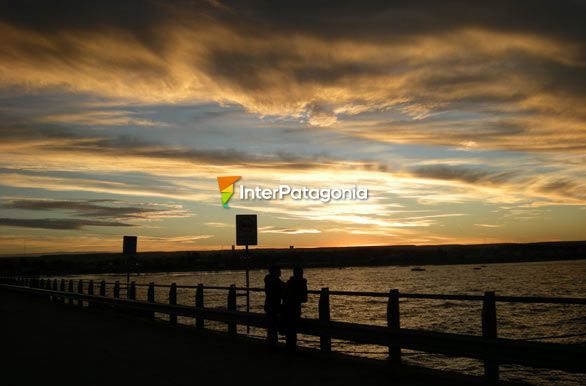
536 322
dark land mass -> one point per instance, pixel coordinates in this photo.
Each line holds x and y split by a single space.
399 255
56 344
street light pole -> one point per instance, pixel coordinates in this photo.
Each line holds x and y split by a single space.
247 284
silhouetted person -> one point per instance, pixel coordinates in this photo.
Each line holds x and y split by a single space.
295 295
274 288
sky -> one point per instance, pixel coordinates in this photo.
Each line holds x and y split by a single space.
465 120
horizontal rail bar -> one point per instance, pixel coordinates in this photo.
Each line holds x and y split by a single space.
251 289
404 295
534 354
538 299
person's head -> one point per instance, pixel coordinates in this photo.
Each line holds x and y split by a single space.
275 270
298 272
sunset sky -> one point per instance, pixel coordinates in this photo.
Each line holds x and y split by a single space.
466 121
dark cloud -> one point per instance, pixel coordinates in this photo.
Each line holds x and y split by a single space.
369 20
465 174
128 146
59 224
93 208
48 16
565 187
125 146
548 185
383 19
286 58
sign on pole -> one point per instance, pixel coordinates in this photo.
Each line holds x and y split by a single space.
129 245
246 231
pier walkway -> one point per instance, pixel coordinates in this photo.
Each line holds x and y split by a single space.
48 344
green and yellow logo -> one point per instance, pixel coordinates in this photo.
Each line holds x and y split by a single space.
226 185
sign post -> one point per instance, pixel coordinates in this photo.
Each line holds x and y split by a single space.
246 234
128 249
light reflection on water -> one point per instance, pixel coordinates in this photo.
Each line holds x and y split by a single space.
520 321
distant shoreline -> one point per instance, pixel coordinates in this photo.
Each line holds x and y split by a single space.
398 255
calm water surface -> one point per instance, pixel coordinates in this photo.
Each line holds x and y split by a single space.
541 322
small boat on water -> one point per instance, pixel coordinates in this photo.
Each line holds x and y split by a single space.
418 269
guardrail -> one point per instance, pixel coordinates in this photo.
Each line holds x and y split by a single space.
488 347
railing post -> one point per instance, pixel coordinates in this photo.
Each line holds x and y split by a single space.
116 290
151 293
394 323
80 291
54 288
489 332
132 291
232 307
150 299
90 291
173 300
62 289
199 322
103 288
325 341
47 286
70 289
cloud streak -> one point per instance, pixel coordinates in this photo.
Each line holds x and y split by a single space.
30 149
59 224
96 208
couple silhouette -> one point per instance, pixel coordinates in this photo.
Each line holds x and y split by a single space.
283 305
